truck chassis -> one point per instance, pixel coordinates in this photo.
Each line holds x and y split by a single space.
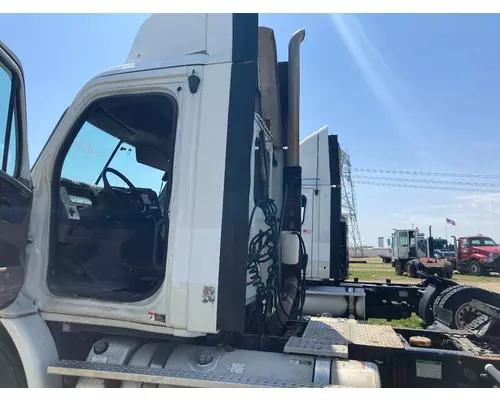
451 358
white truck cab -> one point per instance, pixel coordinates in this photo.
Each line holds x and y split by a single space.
107 193
135 214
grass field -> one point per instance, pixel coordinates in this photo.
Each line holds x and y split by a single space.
376 271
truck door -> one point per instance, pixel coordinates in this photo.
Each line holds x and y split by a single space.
403 244
15 187
463 251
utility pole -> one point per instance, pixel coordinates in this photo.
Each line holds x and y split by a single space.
349 206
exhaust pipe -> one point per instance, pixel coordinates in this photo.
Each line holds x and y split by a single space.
292 180
293 137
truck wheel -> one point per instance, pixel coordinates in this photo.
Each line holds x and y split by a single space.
447 270
476 269
11 368
420 266
463 269
411 267
399 268
455 300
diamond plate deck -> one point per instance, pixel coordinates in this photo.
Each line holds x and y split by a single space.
375 335
172 377
329 329
327 337
316 347
330 337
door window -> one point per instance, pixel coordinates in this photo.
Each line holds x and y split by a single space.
7 122
403 239
110 228
15 196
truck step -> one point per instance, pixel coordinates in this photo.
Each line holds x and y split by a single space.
330 337
168 377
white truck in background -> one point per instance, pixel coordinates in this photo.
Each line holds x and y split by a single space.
108 281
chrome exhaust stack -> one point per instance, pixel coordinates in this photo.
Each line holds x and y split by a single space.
293 257
293 136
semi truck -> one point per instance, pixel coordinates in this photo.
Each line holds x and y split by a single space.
158 239
408 257
476 255
439 246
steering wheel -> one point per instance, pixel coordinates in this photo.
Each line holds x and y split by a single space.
136 200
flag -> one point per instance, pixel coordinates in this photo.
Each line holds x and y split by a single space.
450 221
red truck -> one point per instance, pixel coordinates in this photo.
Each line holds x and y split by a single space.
477 255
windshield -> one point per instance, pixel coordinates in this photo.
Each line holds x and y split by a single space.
482 242
122 157
97 150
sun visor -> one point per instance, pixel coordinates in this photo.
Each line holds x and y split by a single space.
171 36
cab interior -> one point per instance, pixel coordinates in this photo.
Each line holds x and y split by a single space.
109 228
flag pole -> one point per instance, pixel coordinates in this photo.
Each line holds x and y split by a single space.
446 228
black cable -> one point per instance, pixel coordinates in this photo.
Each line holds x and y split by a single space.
263 247
301 282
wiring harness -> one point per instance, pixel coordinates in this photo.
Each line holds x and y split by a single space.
264 248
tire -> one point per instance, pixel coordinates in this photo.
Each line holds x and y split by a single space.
399 268
476 269
411 268
420 266
447 271
456 300
11 368
463 269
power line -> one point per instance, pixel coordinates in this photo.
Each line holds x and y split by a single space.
460 183
403 172
425 187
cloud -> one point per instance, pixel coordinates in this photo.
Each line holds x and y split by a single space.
480 198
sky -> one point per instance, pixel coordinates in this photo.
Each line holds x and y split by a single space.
412 92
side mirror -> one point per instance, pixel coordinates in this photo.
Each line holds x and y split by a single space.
303 209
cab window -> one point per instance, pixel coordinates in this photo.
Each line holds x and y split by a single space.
403 239
111 222
7 122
